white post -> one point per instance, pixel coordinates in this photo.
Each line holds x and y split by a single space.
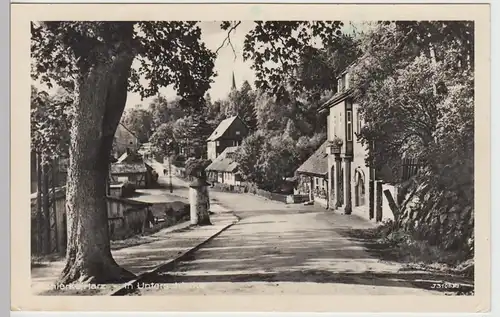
195 204
199 202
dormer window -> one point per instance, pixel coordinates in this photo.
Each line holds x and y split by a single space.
342 82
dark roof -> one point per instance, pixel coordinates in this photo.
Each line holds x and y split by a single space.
128 168
338 97
127 129
223 163
221 128
317 163
130 157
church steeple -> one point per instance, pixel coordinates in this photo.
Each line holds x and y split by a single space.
233 87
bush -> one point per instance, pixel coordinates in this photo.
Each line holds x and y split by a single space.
196 167
128 189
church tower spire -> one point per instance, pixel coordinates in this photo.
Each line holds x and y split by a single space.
233 87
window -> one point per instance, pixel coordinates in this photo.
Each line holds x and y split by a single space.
349 124
237 132
341 83
358 122
217 143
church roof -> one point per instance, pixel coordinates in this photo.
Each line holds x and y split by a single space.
221 128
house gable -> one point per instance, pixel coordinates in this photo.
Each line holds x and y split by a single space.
232 128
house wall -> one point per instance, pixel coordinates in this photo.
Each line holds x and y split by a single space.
211 150
228 178
139 179
336 121
125 139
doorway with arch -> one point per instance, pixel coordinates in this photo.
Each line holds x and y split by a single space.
359 187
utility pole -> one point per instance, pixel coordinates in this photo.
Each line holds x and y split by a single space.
170 173
170 165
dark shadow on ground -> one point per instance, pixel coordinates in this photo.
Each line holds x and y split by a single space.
421 281
301 255
368 238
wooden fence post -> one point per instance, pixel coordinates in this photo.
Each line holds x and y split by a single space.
392 204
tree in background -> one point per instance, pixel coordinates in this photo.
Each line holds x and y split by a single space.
139 121
50 122
163 110
242 103
266 158
249 157
163 141
270 113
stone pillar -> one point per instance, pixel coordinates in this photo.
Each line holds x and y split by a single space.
338 167
347 190
199 202
378 207
371 194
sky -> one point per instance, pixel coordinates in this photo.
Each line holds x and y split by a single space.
225 64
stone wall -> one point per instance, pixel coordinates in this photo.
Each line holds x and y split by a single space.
125 218
441 217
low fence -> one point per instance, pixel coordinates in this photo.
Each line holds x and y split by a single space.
251 189
125 218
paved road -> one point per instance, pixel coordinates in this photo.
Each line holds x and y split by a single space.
278 248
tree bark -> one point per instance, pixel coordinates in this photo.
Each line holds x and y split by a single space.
101 100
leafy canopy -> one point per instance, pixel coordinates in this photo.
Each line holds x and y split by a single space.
167 52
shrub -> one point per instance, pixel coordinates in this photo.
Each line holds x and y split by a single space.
196 167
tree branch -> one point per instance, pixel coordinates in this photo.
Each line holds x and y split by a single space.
228 39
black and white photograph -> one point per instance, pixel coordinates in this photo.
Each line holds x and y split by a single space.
253 157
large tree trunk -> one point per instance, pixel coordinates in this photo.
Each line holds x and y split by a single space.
102 97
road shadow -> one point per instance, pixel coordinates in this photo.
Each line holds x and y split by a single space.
318 255
384 251
415 280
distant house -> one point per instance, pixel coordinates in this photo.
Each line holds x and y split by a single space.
145 150
125 138
224 169
313 176
229 132
130 167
